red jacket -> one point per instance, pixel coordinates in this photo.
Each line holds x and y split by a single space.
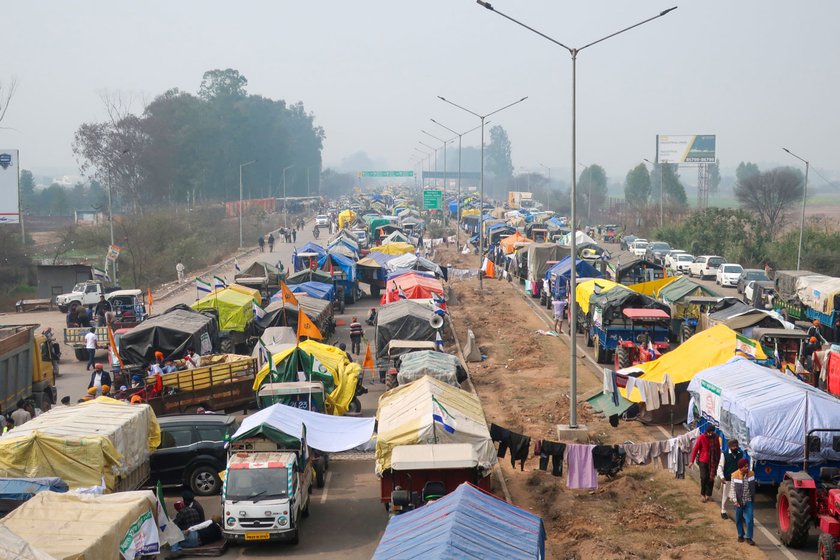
707 450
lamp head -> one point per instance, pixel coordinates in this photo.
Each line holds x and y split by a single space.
663 12
487 5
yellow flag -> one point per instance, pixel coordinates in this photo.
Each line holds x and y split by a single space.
288 296
306 327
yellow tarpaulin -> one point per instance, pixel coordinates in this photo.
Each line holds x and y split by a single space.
470 212
652 288
398 248
345 218
344 372
705 349
508 244
586 289
236 309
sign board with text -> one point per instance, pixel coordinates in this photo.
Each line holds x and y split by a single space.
699 148
432 200
9 187
386 174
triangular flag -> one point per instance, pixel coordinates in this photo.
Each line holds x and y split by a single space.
438 341
306 327
368 362
202 287
288 296
259 312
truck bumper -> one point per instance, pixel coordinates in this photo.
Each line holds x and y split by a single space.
274 535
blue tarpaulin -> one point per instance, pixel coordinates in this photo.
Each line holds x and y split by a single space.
320 290
467 523
558 275
308 248
345 264
24 488
453 207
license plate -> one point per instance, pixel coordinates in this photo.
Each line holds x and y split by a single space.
261 536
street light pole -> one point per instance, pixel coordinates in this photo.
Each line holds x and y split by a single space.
481 196
434 151
573 245
445 142
547 190
804 199
241 165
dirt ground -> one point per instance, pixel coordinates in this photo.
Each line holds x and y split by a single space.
524 386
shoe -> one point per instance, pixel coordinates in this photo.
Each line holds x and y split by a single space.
723 515
750 542
740 539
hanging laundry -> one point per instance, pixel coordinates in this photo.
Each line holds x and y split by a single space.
518 444
608 459
582 473
554 451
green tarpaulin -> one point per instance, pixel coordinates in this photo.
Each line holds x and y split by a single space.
603 403
235 309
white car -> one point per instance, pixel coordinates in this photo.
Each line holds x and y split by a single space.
728 274
705 266
682 262
639 247
322 220
671 258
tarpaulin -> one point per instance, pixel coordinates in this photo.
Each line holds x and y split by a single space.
652 288
235 309
559 274
270 273
439 365
410 261
508 244
539 257
682 287
330 434
586 289
767 411
405 418
395 237
403 320
394 248
15 547
466 523
319 290
821 293
24 488
346 218
332 263
411 285
171 332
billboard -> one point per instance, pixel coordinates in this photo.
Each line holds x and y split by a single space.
699 148
9 188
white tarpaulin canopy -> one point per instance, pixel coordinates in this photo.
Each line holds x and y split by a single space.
580 239
324 432
765 409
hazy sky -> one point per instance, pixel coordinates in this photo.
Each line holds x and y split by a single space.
760 75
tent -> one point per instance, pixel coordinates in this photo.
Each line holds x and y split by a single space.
318 290
346 218
769 412
310 275
300 256
403 320
439 365
639 270
683 287
332 263
330 434
343 247
821 293
316 362
394 248
586 289
508 244
395 237
171 332
320 311
412 285
235 309
260 273
559 274
652 287
610 303
580 239
466 523
410 261
539 257
404 417
705 349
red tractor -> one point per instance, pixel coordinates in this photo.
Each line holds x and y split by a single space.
646 339
802 502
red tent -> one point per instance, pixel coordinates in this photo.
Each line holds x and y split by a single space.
412 285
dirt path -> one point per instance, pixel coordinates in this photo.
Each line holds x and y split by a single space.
524 386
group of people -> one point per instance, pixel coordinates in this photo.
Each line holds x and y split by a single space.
289 235
81 316
197 530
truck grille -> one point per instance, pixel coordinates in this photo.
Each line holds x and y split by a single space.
256 522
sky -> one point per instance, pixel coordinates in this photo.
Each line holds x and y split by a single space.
759 74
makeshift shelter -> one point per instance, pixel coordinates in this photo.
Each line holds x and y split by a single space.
346 218
261 276
559 275
610 303
411 285
279 315
439 365
410 261
171 332
342 246
394 248
580 239
681 288
652 287
786 282
395 237
302 257
318 290
821 293
637 271
404 417
498 232
508 244
315 361
235 309
768 412
466 523
541 257
403 320
310 275
14 546
586 289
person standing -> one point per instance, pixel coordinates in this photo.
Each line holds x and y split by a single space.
294 235
90 346
741 492
100 382
20 416
179 269
356 332
728 465
814 331
270 242
559 306
261 243
103 306
707 454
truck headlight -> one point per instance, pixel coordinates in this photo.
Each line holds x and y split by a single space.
231 521
282 520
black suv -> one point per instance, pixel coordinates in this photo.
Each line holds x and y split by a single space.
192 451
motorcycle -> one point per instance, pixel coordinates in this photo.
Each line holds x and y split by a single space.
356 405
315 232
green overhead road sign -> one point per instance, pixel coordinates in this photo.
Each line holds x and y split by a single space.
432 200
386 174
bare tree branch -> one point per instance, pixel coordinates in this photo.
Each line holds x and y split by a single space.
7 91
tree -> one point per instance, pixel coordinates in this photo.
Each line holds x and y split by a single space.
591 189
714 177
55 198
7 92
637 186
734 234
498 154
770 195
27 188
744 171
222 84
334 185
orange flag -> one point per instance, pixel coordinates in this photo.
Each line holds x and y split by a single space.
306 327
288 296
491 270
151 300
113 345
368 363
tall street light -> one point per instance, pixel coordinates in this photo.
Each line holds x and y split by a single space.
804 198
285 209
434 151
481 196
573 244
445 142
241 165
548 190
460 135
428 159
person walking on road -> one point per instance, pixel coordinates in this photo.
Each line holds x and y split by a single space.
707 454
261 243
294 235
90 346
728 465
559 306
356 332
741 492
179 270
270 242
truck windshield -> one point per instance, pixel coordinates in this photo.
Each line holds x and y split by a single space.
257 484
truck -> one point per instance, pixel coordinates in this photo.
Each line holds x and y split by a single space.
266 494
83 293
74 337
26 360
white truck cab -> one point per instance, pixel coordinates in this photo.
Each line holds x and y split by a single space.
266 492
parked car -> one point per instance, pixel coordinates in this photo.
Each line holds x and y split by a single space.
626 241
749 274
639 247
705 266
671 258
728 274
762 289
656 251
682 262
322 220
192 451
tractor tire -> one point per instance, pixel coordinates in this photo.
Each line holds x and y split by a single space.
226 346
355 406
687 332
794 515
827 547
623 358
81 354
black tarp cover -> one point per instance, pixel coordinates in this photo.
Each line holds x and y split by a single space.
171 332
402 320
613 301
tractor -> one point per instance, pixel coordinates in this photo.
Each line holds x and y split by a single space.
802 502
646 339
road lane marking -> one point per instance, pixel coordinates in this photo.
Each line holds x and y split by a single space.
326 486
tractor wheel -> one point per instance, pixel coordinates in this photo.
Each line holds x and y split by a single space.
827 547
687 332
226 346
793 509
81 354
623 358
